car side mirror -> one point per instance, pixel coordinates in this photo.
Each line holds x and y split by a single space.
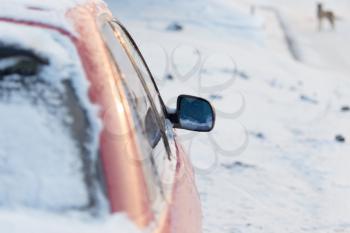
193 113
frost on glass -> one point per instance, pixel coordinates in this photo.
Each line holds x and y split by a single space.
47 133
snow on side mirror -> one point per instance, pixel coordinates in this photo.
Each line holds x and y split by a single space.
193 113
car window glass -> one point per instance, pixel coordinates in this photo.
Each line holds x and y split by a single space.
146 78
123 36
43 159
145 118
143 113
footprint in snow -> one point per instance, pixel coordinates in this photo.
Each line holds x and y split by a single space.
175 27
215 97
242 75
238 166
345 108
169 77
258 135
340 138
308 99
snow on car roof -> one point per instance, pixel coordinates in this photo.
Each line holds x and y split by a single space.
43 11
46 4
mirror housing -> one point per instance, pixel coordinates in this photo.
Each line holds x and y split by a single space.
193 113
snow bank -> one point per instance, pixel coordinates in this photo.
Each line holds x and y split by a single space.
42 11
44 4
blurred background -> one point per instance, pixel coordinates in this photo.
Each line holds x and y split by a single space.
278 73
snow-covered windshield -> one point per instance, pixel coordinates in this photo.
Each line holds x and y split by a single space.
48 127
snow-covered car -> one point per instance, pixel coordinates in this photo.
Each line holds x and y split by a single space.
83 128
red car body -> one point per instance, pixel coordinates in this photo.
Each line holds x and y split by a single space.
125 181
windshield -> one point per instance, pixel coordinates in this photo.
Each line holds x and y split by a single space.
48 136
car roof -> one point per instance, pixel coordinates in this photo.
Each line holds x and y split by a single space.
47 12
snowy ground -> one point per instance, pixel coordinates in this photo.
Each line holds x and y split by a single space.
272 164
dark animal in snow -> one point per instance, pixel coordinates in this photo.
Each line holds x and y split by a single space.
325 14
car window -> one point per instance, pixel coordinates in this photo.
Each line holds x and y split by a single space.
146 78
123 35
145 116
143 110
45 159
